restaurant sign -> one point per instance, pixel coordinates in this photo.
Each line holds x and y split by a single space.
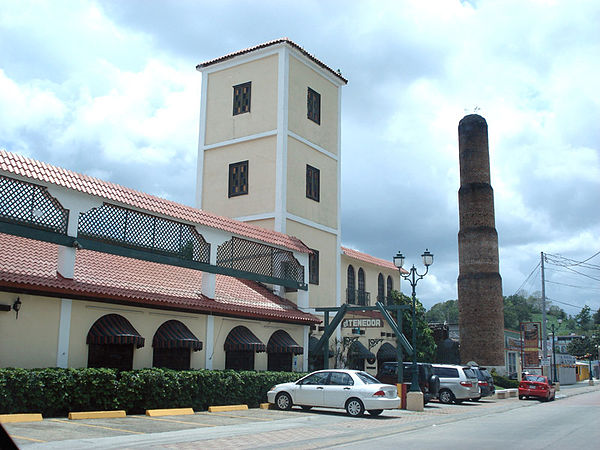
362 323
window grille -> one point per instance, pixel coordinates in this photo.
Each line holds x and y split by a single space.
238 179
313 267
241 98
313 100
313 183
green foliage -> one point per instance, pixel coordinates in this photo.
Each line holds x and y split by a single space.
517 309
443 312
504 382
584 318
425 343
585 347
54 392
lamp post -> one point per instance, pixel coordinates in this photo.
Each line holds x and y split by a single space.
413 278
591 379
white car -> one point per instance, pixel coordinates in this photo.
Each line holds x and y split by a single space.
353 390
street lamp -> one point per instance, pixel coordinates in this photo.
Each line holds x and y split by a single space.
554 374
413 278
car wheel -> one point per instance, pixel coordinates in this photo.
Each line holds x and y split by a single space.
446 396
305 407
375 412
521 397
354 407
283 401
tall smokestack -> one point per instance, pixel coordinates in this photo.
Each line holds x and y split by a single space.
480 304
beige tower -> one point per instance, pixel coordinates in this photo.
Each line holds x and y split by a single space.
269 150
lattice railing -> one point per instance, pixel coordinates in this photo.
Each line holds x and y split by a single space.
249 256
130 228
29 204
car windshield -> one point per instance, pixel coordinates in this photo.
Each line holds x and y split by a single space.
366 378
539 379
469 373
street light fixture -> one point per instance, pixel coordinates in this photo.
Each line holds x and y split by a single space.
554 372
413 278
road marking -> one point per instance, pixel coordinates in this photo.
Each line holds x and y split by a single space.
95 426
14 436
236 417
181 421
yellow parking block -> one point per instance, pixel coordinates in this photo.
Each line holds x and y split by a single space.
96 415
227 408
169 412
13 418
266 406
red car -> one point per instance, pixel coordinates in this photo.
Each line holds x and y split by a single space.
536 386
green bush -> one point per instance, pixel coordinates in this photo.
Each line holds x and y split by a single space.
55 392
504 382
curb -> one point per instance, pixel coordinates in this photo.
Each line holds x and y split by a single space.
227 408
96 415
169 412
16 418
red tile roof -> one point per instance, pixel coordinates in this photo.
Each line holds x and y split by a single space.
268 44
355 254
30 266
36 170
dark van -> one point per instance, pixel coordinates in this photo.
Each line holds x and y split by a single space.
428 381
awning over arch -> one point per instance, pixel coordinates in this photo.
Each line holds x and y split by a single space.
282 342
242 339
174 334
358 350
387 351
114 329
312 345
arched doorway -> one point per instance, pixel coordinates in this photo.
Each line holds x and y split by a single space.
111 342
172 345
240 346
281 348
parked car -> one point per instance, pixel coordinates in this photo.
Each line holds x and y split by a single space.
353 390
486 381
428 381
457 383
536 386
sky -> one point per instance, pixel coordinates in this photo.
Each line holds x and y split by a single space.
109 89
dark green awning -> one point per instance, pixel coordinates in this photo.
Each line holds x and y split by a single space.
174 334
241 339
358 350
281 342
387 351
114 329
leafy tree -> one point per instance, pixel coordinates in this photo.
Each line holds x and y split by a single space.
425 343
443 312
517 309
584 318
584 347
597 318
557 312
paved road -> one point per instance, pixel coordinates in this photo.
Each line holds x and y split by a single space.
492 423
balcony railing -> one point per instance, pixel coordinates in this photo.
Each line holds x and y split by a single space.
385 299
358 297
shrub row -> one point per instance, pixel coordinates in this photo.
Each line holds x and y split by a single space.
503 381
54 392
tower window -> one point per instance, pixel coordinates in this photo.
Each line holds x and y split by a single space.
312 183
241 98
313 100
313 267
238 178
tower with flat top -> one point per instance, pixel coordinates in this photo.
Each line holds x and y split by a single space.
480 303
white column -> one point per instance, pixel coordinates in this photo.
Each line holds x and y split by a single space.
64 332
209 347
306 340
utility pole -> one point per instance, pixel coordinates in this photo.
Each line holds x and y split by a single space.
544 334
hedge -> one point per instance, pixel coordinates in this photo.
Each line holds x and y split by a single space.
504 382
54 392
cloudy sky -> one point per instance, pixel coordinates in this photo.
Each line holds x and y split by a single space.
110 89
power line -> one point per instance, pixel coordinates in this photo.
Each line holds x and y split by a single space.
573 286
528 277
570 304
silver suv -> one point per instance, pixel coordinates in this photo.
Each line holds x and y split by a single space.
457 383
